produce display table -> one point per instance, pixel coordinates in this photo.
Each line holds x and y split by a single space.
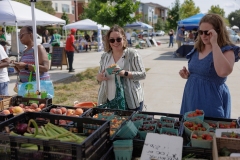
95 133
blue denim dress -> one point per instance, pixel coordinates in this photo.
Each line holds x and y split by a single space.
204 89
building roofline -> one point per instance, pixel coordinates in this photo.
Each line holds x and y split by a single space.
155 5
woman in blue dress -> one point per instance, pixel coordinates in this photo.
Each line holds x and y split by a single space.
210 62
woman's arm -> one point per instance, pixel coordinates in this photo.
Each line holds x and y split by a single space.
223 62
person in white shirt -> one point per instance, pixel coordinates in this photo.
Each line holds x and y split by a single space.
128 36
4 79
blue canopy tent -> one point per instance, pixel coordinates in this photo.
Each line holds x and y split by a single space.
138 25
191 22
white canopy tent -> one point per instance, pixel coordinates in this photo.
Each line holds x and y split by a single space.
13 14
12 11
235 27
88 24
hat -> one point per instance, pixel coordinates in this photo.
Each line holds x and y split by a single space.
73 30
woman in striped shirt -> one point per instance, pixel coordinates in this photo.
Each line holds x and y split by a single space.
116 52
27 62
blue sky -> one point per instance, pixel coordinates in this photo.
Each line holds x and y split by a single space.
204 5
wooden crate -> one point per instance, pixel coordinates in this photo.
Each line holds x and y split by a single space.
231 143
5 102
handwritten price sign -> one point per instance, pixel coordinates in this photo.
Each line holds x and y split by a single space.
162 147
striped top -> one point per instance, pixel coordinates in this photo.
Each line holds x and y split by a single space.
132 88
28 57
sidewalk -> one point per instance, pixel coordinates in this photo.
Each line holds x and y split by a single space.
163 86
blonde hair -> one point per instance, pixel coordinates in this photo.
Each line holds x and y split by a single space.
218 24
115 28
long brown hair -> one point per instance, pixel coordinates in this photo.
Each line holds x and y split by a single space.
218 24
115 28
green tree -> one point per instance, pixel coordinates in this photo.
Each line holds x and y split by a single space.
145 19
173 16
234 18
111 12
45 6
216 9
188 9
65 17
159 25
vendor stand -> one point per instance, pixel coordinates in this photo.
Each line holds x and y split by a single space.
185 49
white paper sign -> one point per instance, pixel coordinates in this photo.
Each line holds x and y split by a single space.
218 132
162 147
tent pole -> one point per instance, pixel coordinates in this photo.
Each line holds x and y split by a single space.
35 47
17 39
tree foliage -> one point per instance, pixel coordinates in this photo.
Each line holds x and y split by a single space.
188 9
217 10
45 6
65 17
160 24
236 18
173 16
111 12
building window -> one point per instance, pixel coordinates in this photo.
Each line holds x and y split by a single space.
56 7
65 8
73 10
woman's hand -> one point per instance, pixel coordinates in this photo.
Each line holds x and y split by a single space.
184 73
213 36
101 76
20 65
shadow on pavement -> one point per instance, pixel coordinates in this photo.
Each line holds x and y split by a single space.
170 56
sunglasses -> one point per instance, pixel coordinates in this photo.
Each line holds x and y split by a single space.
113 40
205 32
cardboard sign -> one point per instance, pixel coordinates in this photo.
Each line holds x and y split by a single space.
162 147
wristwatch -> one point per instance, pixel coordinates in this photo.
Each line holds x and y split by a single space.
26 67
126 73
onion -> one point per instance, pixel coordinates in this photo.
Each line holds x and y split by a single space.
21 128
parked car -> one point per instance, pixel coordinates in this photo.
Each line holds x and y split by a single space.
160 33
233 36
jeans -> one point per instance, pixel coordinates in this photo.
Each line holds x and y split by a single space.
87 47
4 88
70 55
140 108
171 41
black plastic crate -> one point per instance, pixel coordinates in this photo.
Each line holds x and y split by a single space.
94 111
15 101
122 113
197 152
92 147
109 155
5 117
157 115
67 107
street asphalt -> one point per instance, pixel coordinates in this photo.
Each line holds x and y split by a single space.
163 86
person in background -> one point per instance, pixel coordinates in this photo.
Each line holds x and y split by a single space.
128 35
180 36
195 33
191 36
116 52
55 40
88 39
45 39
171 36
2 36
209 64
70 47
4 79
27 61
